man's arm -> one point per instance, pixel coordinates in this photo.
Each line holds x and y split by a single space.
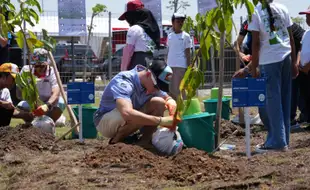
55 96
132 116
20 114
188 56
238 44
293 48
255 51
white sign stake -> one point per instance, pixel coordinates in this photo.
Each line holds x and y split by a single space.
247 131
81 123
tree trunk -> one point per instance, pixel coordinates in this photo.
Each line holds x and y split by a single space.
175 2
87 48
220 92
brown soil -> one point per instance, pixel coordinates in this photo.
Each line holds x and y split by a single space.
189 167
24 137
96 165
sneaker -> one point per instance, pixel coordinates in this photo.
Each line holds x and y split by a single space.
261 148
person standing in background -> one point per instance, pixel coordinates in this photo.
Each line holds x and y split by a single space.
273 50
179 51
143 36
298 98
304 66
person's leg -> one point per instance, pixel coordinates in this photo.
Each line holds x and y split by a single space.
276 137
156 106
174 87
294 99
56 111
6 116
286 96
121 130
303 96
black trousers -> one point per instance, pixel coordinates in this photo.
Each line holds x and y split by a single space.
6 116
304 82
138 58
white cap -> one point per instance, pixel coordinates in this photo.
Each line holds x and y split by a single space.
178 15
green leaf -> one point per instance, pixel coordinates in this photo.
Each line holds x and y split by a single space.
20 39
32 35
250 8
34 15
221 25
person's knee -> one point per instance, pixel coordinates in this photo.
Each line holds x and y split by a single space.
157 106
23 105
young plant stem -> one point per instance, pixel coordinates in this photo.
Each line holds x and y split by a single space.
175 117
87 47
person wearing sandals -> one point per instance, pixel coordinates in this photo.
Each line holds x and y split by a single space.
273 50
143 36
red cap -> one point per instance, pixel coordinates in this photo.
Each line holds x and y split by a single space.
307 12
132 6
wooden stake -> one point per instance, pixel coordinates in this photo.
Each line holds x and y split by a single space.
74 121
64 135
220 92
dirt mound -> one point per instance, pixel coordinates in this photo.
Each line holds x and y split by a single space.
23 136
227 128
188 167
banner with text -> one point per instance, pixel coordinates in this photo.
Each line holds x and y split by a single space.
72 17
205 5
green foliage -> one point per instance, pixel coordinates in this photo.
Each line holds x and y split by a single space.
298 20
99 8
207 29
26 82
49 42
28 12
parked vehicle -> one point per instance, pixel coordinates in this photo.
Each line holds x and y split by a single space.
63 58
117 59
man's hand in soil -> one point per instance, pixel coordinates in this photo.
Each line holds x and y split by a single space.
7 105
171 105
41 110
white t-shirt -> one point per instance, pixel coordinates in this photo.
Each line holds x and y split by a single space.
5 95
305 49
137 37
274 46
177 43
46 84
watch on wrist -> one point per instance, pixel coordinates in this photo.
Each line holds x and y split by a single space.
246 70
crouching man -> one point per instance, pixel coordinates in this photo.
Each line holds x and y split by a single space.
8 72
48 88
136 100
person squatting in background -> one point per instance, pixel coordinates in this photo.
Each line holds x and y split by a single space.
48 88
143 36
8 72
273 50
179 49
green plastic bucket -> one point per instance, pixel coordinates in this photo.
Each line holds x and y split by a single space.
214 93
211 107
194 107
89 129
197 131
